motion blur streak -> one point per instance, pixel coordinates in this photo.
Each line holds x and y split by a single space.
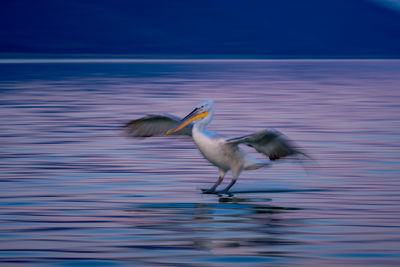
76 191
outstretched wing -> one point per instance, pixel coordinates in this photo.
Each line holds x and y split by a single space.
156 125
271 143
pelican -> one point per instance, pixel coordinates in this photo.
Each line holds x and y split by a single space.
225 153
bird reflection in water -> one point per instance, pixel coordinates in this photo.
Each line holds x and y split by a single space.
240 224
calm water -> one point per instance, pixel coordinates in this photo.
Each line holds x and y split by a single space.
76 191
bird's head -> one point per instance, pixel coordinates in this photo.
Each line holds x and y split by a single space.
204 110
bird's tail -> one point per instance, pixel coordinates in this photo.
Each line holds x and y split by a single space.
254 164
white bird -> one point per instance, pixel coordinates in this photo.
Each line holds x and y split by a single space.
224 153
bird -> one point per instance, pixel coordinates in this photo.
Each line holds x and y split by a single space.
224 153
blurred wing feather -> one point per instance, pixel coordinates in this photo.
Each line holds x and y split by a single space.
271 143
156 125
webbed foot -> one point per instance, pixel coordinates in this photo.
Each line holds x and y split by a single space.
209 191
225 192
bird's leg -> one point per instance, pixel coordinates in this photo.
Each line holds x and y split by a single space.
229 185
235 175
219 181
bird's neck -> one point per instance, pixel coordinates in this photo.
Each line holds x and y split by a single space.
201 135
201 124
199 128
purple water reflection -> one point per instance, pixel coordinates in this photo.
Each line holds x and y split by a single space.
75 190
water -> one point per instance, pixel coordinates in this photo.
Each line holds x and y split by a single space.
76 191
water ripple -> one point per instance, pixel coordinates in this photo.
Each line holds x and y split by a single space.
76 191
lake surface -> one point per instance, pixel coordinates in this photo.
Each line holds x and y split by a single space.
75 191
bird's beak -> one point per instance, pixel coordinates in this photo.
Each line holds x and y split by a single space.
192 116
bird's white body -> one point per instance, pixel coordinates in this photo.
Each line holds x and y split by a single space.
223 155
214 149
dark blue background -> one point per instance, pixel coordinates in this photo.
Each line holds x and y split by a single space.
275 28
